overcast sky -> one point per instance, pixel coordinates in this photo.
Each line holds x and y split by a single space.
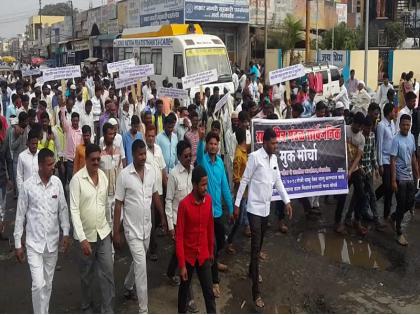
14 14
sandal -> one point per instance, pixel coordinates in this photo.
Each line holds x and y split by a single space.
259 304
263 256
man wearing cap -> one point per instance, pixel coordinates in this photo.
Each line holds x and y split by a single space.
118 140
339 109
343 95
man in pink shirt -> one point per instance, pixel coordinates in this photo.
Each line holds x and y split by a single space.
73 136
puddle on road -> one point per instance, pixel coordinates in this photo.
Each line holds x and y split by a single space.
343 249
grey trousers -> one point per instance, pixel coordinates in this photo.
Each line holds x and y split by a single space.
100 261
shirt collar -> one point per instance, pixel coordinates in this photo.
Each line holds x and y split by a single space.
263 153
194 202
182 169
132 169
38 180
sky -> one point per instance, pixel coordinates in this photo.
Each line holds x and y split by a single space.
14 14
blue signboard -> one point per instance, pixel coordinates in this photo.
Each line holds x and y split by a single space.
228 11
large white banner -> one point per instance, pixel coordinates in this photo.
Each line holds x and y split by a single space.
200 78
286 74
53 74
172 93
119 65
140 71
30 72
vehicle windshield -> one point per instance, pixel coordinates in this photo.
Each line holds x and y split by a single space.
203 59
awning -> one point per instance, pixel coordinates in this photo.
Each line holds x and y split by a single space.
107 37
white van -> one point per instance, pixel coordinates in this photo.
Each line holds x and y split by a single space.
330 79
176 50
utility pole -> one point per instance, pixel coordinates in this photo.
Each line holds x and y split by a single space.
265 40
366 40
40 29
72 19
317 29
308 29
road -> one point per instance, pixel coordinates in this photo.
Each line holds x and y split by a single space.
309 270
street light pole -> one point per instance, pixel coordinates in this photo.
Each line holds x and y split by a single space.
265 40
308 28
366 39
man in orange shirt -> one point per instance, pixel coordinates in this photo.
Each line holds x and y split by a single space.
79 159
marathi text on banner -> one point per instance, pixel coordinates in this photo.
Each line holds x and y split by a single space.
119 65
221 103
311 154
172 93
53 74
140 71
200 78
286 74
124 82
30 72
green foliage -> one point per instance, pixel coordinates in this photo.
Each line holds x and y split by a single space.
395 34
58 9
344 38
287 34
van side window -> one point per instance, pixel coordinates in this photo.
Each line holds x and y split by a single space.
157 60
178 66
145 56
335 75
324 77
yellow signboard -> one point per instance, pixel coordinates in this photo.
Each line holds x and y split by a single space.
205 52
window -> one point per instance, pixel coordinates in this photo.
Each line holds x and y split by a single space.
178 66
335 75
203 59
128 53
382 38
145 56
324 77
157 60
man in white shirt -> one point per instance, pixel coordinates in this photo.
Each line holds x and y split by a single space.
235 80
97 109
27 164
361 99
410 103
179 186
43 206
342 96
381 96
242 81
92 228
86 117
261 173
352 84
136 189
156 160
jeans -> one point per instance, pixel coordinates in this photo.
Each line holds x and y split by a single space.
100 261
219 244
405 201
205 276
42 266
138 249
385 190
242 220
357 181
369 199
258 227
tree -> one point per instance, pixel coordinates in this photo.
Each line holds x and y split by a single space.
344 38
58 9
287 35
395 34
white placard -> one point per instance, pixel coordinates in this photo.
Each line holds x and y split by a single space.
200 78
286 74
140 71
118 65
30 72
53 74
40 80
221 103
172 93
124 82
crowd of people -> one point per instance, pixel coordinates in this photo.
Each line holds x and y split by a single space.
119 166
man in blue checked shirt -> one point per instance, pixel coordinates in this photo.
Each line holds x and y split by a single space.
217 186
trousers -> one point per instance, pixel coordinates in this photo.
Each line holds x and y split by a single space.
405 201
138 270
42 266
258 227
219 244
385 190
205 278
357 181
100 261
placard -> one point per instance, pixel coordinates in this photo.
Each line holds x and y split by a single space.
172 93
124 82
140 71
53 74
311 154
200 78
119 65
286 74
30 72
221 103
